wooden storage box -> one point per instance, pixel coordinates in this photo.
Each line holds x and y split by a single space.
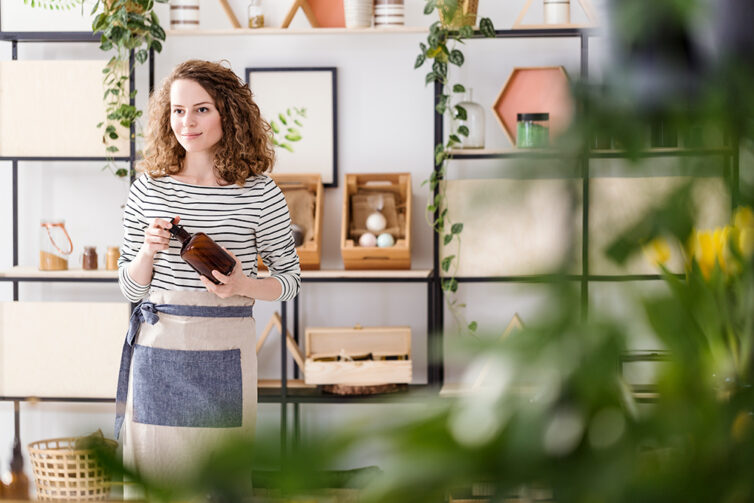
359 356
398 256
301 191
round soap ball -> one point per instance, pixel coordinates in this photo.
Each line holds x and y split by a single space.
368 239
376 222
385 240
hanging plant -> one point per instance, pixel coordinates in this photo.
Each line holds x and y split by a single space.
125 25
442 47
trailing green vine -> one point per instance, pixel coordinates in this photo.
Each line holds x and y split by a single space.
437 49
125 25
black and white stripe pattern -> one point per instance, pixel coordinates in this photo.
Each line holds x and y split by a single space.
246 220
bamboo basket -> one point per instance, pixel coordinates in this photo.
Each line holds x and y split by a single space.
465 14
62 472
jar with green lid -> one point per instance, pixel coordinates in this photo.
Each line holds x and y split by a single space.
533 130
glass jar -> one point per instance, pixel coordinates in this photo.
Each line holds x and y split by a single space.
111 261
256 15
54 246
89 259
533 130
474 122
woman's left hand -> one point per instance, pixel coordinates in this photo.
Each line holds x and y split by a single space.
235 284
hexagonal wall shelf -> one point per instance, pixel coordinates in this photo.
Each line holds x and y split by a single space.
535 90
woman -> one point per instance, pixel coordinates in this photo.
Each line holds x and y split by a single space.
188 375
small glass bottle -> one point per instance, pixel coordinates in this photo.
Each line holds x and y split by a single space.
113 254
89 259
474 122
202 253
533 130
256 15
18 485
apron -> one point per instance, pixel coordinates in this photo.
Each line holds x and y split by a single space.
188 382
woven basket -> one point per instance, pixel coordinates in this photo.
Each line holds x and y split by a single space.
62 472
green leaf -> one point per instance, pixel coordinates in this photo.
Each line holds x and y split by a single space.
466 32
141 55
430 6
283 119
472 326
274 127
440 68
420 59
446 262
113 136
458 88
453 285
461 113
463 130
456 57
431 208
485 26
456 228
447 239
439 158
121 172
455 138
286 146
431 77
112 148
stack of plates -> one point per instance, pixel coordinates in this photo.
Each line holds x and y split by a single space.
388 13
358 13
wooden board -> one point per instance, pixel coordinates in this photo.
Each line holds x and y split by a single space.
514 227
618 203
535 90
358 257
52 108
61 349
310 252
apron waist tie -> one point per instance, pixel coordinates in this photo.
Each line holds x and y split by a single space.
147 311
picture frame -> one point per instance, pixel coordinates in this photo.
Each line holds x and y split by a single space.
301 106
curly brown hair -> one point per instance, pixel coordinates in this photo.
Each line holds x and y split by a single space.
245 148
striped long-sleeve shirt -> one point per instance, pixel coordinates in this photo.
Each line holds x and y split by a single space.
247 220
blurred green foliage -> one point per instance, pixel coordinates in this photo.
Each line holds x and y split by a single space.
556 417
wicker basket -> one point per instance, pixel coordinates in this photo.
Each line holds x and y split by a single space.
62 472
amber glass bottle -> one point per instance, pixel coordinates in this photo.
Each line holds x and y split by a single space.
18 488
202 253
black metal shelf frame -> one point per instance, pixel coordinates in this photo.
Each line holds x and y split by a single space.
730 167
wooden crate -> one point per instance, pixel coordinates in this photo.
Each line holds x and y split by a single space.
328 351
397 256
310 252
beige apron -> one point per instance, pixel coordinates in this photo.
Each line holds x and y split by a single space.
192 384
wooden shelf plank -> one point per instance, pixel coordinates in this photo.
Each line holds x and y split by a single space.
78 274
34 272
294 31
290 383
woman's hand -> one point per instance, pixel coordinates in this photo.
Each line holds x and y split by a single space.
235 284
157 237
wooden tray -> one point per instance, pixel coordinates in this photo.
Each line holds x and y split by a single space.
535 90
397 256
380 342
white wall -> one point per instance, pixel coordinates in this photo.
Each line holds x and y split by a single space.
385 124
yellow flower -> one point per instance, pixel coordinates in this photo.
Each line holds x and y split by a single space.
746 242
657 251
708 248
743 218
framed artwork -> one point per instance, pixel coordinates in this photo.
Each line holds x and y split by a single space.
301 106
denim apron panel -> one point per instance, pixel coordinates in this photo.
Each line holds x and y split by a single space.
192 384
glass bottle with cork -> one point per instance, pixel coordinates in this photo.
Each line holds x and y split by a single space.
202 253
256 15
